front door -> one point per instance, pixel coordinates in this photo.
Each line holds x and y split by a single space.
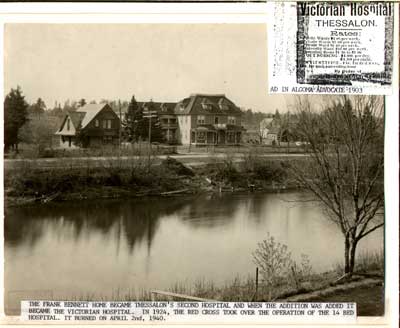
221 137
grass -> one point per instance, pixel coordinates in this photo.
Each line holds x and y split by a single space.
369 299
367 262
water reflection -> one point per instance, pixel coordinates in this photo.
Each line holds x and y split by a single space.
84 248
138 220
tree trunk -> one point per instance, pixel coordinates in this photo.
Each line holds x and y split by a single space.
352 255
347 255
350 245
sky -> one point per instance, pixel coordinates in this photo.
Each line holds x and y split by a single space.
162 62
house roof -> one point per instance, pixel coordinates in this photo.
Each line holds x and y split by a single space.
76 118
266 122
207 104
160 107
83 115
89 112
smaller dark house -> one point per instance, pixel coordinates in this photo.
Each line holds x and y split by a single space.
92 125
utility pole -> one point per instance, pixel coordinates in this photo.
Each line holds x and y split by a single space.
149 114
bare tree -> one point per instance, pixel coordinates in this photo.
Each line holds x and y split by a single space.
345 167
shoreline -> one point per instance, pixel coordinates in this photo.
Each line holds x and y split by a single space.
170 178
119 193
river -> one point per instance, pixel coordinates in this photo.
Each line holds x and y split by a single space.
105 248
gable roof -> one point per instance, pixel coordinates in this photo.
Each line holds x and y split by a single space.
83 115
89 112
207 104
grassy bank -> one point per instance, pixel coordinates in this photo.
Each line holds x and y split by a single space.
110 181
142 176
365 288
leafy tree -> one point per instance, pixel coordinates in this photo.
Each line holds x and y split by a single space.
15 116
134 126
39 131
344 169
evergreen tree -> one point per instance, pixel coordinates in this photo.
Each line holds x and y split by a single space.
82 102
134 126
277 116
38 108
15 116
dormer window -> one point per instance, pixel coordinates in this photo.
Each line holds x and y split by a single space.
206 104
96 123
223 105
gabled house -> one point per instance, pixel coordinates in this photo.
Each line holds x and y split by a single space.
96 124
205 119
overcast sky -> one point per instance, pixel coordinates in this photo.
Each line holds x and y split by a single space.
163 62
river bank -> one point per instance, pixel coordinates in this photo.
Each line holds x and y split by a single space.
168 177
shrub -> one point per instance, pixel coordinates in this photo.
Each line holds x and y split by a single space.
277 266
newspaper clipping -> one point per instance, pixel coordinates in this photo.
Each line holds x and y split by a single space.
341 48
225 169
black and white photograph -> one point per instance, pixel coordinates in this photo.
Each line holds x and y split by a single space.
148 162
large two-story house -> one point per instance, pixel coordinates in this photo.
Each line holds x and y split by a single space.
205 119
98 125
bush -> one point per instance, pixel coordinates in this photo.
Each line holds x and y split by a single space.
277 266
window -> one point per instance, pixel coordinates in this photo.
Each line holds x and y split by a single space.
107 124
68 124
201 137
231 137
231 120
107 139
96 123
216 120
201 119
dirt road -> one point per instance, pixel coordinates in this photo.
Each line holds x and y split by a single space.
125 161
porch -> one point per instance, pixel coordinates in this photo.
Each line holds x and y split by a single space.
205 136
